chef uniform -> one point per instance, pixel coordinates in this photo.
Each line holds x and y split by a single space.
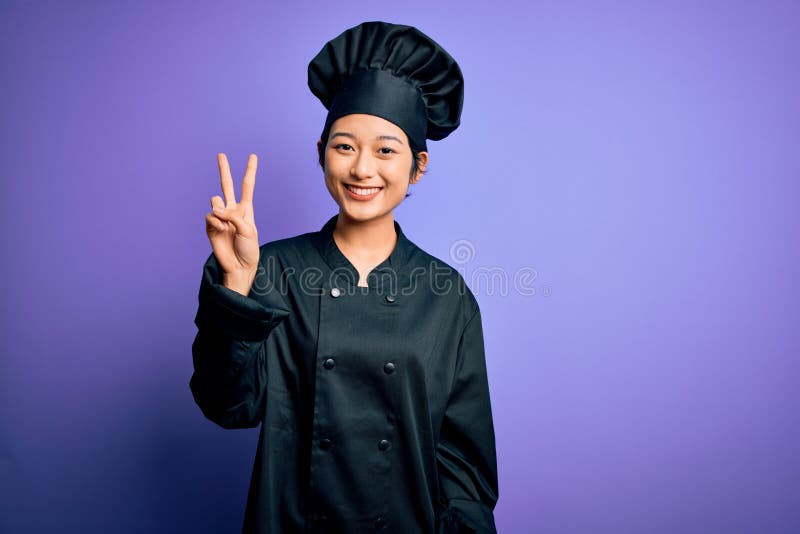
373 401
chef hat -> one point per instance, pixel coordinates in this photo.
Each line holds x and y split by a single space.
393 71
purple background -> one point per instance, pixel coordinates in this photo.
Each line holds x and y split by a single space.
639 158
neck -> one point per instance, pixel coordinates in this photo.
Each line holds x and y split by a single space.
366 238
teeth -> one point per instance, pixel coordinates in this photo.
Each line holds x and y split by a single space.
364 192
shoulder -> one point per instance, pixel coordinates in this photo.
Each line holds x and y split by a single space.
288 257
289 249
445 280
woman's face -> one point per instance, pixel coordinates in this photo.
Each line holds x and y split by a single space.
367 166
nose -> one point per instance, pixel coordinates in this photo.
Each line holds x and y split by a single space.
363 166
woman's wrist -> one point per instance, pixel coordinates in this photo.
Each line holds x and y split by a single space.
241 282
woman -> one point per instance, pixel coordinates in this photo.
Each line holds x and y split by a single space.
360 355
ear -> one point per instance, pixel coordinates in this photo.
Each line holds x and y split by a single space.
423 164
320 154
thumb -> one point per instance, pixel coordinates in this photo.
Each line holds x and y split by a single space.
235 218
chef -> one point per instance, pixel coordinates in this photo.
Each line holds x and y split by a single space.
359 354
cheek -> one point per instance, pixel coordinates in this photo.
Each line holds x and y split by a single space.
335 164
329 172
331 182
398 170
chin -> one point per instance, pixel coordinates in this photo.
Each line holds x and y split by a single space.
363 213
360 214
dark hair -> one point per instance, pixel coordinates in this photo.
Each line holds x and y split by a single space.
415 159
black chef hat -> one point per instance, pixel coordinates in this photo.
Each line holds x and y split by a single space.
393 71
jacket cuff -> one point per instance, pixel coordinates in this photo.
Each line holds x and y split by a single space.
249 318
463 516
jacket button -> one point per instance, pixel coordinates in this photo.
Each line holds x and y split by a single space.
390 298
388 368
324 443
335 292
380 522
329 363
384 444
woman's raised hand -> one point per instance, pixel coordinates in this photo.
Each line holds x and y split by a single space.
231 228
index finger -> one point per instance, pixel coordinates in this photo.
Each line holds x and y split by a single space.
249 181
225 179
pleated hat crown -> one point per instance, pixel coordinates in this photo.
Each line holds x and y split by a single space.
393 71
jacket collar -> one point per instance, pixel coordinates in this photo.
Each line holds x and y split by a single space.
392 267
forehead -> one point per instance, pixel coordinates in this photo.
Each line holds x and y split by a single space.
366 126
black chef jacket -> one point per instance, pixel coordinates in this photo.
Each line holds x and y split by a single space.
373 401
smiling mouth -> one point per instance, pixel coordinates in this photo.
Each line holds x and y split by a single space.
362 191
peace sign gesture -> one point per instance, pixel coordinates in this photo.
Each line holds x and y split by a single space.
231 228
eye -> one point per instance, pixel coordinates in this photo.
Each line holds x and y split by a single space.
343 146
387 150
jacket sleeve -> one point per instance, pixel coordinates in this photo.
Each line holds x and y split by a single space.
466 457
229 379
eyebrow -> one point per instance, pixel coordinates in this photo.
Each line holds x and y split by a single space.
351 136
